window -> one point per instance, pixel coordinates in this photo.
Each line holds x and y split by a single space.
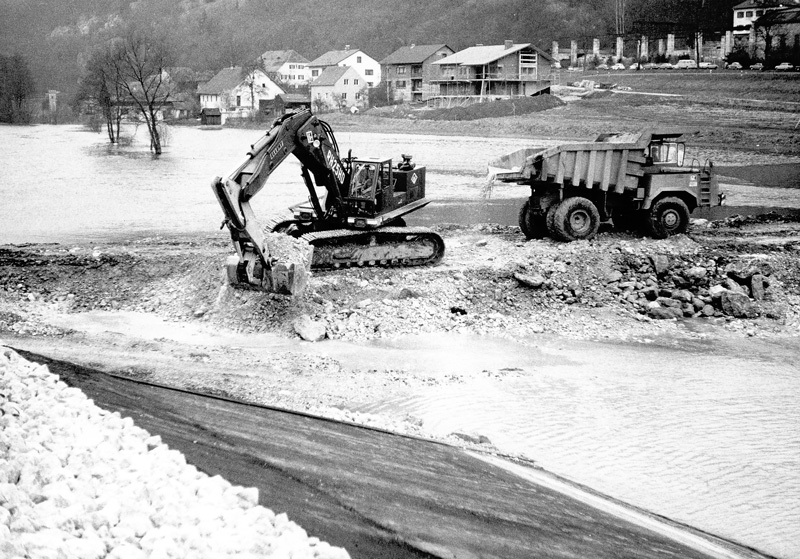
368 72
263 85
315 73
358 60
369 84
346 82
401 70
355 82
759 13
400 83
291 66
749 13
358 96
238 100
344 95
740 14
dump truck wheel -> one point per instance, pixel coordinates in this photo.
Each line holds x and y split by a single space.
668 216
531 224
575 219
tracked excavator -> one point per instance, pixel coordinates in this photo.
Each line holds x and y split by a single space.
358 222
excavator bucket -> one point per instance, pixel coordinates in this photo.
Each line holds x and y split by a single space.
287 270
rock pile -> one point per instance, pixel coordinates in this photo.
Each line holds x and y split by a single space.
81 483
663 287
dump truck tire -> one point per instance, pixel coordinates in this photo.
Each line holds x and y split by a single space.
531 224
576 219
668 216
549 220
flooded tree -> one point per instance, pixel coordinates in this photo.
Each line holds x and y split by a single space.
140 61
101 86
16 88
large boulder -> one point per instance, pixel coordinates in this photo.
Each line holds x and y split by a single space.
738 305
744 269
309 329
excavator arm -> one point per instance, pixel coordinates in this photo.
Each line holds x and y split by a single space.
313 143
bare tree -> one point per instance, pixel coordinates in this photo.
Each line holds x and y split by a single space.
101 85
140 61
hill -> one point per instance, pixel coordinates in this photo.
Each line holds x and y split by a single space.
57 35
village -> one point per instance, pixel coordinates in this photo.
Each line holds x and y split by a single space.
438 76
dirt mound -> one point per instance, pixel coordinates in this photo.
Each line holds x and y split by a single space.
492 109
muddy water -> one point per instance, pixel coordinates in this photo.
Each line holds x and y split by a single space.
66 184
708 436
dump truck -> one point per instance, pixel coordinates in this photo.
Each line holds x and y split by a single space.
629 180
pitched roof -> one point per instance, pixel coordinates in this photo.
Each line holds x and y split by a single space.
780 17
274 59
762 4
484 54
413 54
331 75
333 57
225 80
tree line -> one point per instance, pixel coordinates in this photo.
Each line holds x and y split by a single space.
16 88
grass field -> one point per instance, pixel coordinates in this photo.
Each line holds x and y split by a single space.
714 85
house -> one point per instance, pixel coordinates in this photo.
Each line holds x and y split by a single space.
288 67
368 67
747 12
338 87
236 92
407 72
492 72
286 102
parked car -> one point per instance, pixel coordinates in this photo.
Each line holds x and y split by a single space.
649 66
601 67
708 66
685 65
618 66
665 66
734 66
784 67
757 66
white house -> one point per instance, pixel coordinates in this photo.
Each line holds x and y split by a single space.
338 87
236 92
288 65
368 67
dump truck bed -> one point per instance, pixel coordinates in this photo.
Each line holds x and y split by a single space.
610 163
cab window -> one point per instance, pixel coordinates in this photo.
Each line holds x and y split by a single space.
667 153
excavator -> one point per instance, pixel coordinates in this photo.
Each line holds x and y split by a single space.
358 222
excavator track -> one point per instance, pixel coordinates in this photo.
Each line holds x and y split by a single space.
387 246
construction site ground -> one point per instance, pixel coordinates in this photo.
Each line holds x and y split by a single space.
159 308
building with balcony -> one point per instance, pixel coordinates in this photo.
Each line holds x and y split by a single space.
408 71
489 72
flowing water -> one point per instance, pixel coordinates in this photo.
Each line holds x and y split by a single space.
715 447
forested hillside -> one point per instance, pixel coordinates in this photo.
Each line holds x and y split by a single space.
55 36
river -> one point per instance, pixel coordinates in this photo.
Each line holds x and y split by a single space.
68 184
720 456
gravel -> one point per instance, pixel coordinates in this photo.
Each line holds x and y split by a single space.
78 482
